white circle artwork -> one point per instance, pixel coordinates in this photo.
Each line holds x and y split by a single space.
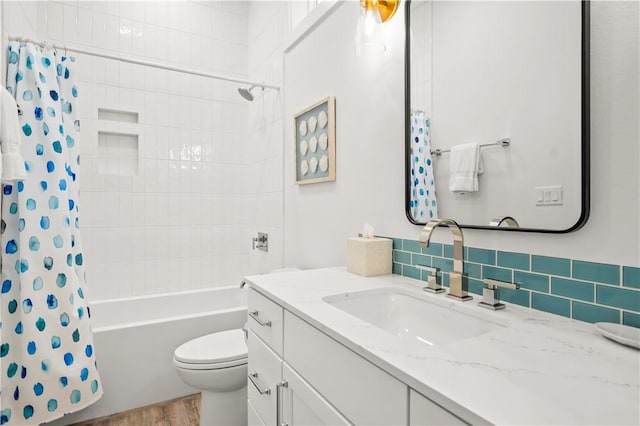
324 141
312 124
303 128
313 144
322 119
304 167
304 147
313 164
324 163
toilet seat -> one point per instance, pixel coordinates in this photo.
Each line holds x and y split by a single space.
213 351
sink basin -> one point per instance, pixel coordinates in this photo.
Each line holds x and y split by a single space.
408 315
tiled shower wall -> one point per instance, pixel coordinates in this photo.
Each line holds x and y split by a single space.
263 190
176 223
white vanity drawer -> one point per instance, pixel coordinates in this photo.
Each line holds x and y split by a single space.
423 411
253 419
265 319
359 390
265 369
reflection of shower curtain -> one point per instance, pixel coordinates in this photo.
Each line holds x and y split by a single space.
47 360
423 202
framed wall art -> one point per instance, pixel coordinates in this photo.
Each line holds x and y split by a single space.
315 143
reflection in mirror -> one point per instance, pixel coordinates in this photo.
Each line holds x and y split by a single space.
497 113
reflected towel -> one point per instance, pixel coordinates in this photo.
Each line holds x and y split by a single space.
10 139
465 166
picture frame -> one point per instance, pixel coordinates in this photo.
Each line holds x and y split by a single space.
315 143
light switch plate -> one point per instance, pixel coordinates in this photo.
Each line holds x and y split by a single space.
549 195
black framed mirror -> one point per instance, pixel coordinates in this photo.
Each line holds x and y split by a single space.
497 114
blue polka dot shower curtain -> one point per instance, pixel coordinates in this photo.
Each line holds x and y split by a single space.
423 203
47 361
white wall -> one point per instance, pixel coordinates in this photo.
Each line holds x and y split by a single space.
18 16
370 149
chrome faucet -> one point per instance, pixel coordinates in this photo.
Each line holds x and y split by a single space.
456 289
509 221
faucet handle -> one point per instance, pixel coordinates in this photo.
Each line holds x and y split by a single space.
432 285
490 298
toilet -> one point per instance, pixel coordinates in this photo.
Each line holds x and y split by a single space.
216 364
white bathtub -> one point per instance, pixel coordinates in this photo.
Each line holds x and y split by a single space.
135 339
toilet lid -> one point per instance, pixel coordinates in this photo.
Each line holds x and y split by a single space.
213 348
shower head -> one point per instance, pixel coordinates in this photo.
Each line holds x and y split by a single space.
246 92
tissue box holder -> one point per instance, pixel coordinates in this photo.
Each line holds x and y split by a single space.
369 257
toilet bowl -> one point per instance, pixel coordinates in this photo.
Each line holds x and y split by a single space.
216 364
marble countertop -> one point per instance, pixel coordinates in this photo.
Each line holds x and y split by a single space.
537 369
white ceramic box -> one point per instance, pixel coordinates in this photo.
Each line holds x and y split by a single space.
369 257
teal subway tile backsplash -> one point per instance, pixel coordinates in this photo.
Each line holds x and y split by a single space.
519 297
412 246
551 265
631 277
537 282
478 255
572 288
444 280
434 249
402 257
514 260
500 274
473 270
585 291
442 264
475 286
411 272
592 313
551 304
448 250
396 268
600 272
618 297
631 319
420 259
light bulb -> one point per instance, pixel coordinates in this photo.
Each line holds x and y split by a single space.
368 40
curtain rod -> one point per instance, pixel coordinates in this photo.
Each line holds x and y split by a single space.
143 63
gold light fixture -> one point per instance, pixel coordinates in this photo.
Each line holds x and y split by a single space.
386 8
368 39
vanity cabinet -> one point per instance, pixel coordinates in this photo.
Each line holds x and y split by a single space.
423 411
300 376
276 393
302 405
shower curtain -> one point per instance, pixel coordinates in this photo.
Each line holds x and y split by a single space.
47 358
423 203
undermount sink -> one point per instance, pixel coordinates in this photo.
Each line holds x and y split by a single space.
408 315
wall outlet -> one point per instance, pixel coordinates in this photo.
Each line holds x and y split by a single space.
549 195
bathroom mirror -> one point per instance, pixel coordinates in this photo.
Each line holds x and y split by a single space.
513 79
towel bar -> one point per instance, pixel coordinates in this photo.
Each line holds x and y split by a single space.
505 142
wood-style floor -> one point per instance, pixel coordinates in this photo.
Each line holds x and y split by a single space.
178 412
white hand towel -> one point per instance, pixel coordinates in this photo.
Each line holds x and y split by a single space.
465 166
10 139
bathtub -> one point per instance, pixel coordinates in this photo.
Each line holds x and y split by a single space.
135 338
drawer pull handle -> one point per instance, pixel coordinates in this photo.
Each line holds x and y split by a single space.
253 378
279 407
254 315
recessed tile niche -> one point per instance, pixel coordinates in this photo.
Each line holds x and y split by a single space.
118 143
